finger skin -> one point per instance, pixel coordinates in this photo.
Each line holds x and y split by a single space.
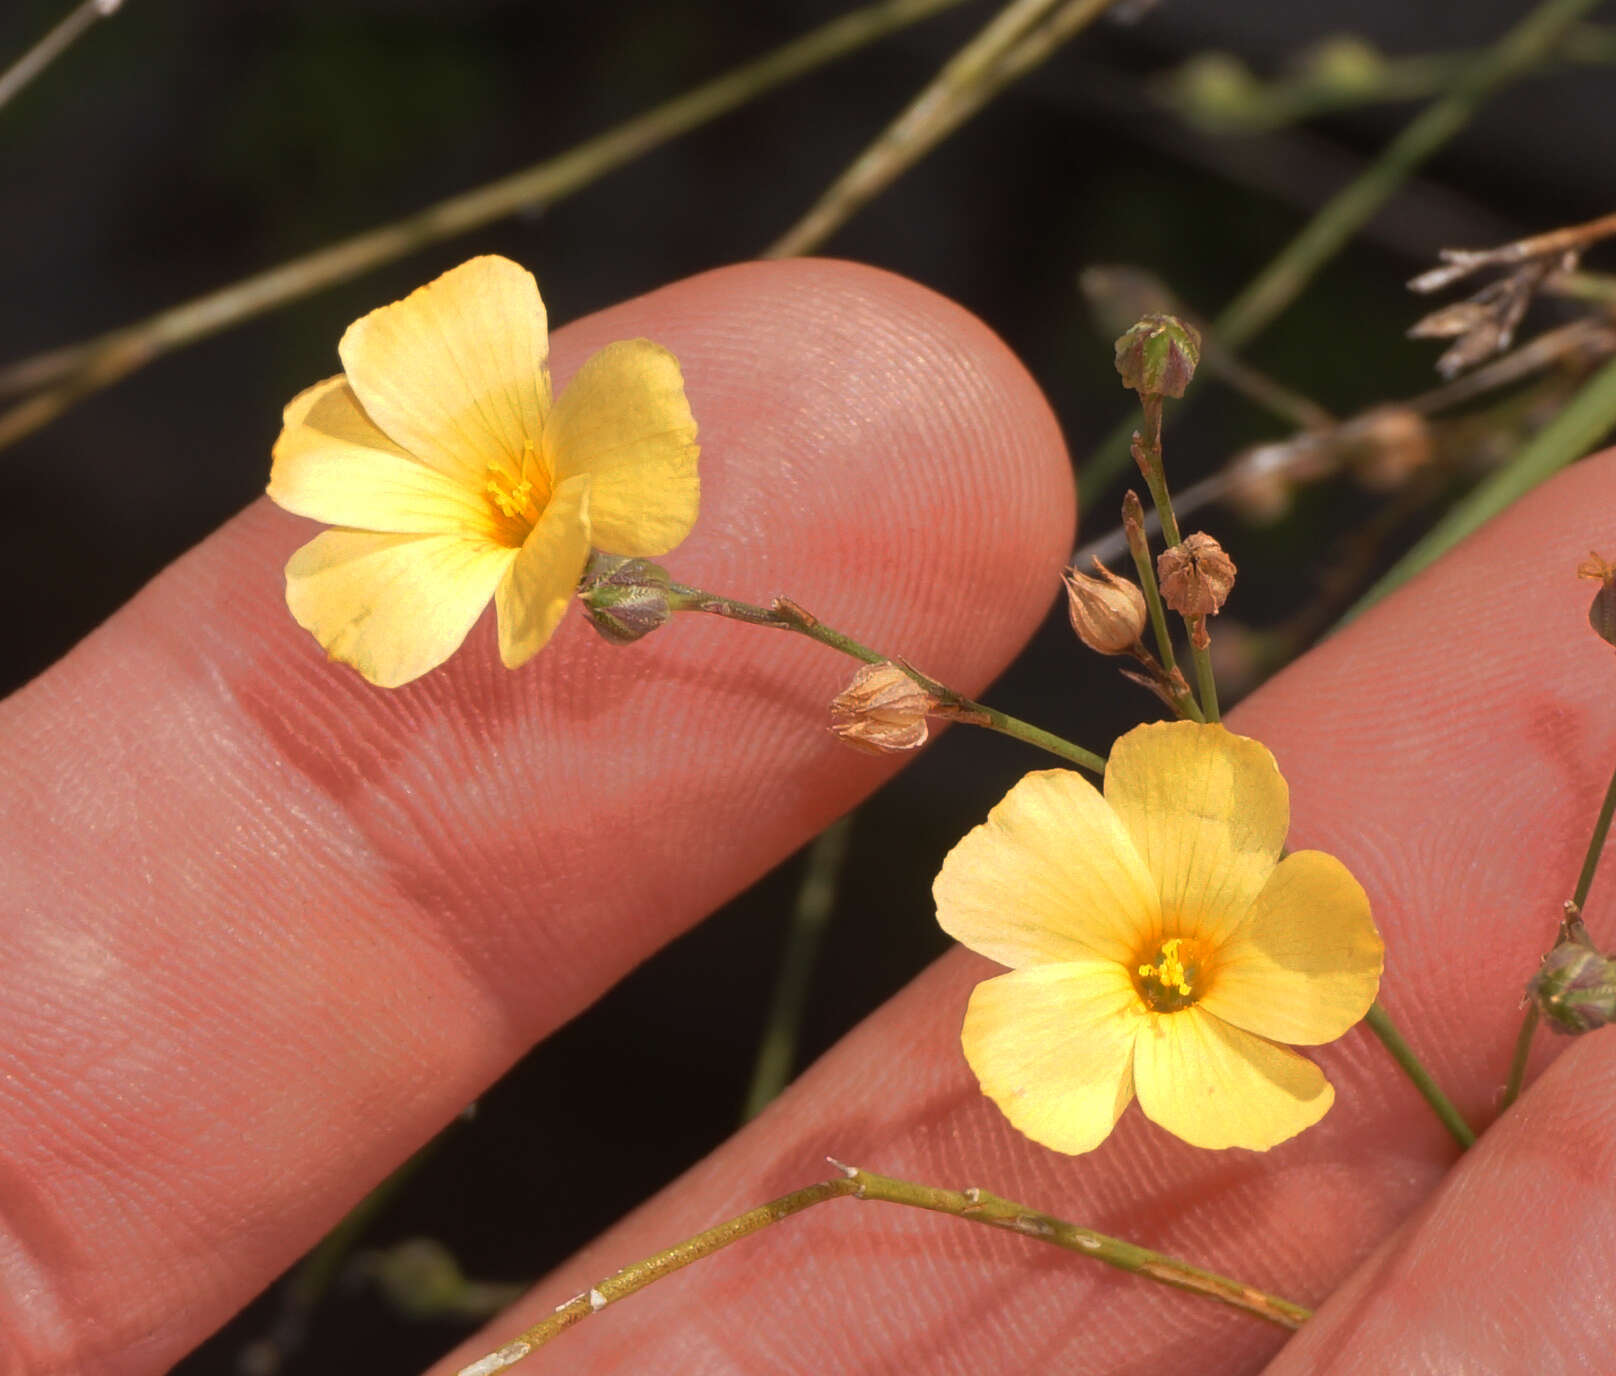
1507 1267
267 927
1452 748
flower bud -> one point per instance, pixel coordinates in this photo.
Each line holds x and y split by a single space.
624 598
1157 357
1107 612
1602 610
882 711
1195 576
1575 988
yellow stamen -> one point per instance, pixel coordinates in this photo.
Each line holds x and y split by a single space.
1168 983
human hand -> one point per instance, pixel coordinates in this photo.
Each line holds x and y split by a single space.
217 844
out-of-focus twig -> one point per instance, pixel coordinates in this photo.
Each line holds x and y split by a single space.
1484 323
67 375
81 18
1218 92
1515 54
1022 35
1572 433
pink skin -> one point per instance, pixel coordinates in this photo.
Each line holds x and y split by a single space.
268 928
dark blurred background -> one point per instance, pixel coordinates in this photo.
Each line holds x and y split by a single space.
183 145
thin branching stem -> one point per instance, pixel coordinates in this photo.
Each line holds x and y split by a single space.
973 1205
1579 898
1514 55
1023 34
786 615
69 374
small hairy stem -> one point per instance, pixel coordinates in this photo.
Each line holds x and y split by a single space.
786 615
973 1205
1381 1025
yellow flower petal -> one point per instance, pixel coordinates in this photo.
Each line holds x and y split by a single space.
1051 876
1051 1047
624 420
1216 1086
1207 811
1305 965
332 464
393 606
534 594
455 372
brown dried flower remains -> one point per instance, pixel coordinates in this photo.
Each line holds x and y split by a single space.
882 711
1195 576
1108 612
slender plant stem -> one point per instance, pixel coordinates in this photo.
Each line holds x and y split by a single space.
816 897
69 374
81 18
1133 527
1205 681
1147 450
1514 55
1579 899
785 615
1517 1062
976 1206
1381 1025
1011 44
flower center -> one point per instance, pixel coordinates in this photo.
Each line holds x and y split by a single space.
1167 983
515 495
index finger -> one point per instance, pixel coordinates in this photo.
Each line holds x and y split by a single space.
269 927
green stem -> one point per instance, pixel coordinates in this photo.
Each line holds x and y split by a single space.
1148 452
815 898
975 1206
1517 1062
1133 528
785 615
1579 898
1204 679
1381 1025
1514 55
67 375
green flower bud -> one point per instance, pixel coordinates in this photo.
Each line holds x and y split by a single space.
1575 988
624 598
1157 357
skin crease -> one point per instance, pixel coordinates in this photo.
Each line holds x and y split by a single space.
255 846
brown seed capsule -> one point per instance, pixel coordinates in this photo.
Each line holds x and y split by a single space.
1107 612
882 711
1602 610
1195 576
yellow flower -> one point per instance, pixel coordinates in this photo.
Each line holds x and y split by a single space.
1158 946
453 479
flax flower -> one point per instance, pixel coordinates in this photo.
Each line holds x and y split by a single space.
1159 947
453 479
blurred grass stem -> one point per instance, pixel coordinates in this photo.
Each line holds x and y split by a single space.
1514 55
69 374
973 1205
1021 36
79 20
816 898
1586 420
